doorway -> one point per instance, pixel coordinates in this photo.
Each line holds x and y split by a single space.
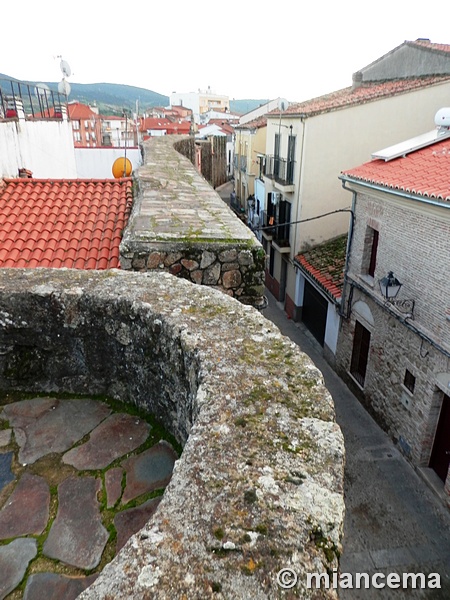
440 454
314 313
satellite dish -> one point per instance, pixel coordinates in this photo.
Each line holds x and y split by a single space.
42 89
283 104
65 68
122 167
64 87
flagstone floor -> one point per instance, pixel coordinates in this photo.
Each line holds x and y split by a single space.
78 477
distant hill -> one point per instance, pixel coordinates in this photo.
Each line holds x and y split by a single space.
241 107
112 98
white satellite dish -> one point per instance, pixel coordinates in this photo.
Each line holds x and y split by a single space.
64 87
42 90
65 68
283 104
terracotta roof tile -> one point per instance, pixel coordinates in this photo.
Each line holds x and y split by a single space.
424 172
431 45
254 124
367 92
325 265
63 223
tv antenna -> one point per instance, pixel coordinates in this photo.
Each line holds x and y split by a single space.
65 68
283 104
63 85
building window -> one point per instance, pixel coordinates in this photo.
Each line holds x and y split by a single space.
360 353
290 159
75 124
282 233
271 260
276 157
410 381
370 251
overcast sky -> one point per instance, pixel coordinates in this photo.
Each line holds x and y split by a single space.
242 49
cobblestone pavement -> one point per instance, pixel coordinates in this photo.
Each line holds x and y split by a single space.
394 522
77 479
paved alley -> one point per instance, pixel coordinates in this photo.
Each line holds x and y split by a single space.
394 523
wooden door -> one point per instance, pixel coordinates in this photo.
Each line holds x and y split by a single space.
440 455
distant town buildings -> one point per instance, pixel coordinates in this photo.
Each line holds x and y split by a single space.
201 102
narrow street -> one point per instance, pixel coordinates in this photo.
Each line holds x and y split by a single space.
394 523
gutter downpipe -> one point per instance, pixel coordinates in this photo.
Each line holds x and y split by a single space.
297 216
346 313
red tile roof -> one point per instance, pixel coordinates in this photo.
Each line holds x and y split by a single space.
78 111
422 43
172 127
366 92
254 124
424 172
63 223
325 265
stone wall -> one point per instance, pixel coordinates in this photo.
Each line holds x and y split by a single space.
179 224
259 485
414 244
409 418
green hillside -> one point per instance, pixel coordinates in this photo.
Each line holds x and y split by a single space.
241 107
113 98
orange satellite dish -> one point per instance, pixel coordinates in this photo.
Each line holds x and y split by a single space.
122 167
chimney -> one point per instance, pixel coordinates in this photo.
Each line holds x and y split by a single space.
357 80
25 174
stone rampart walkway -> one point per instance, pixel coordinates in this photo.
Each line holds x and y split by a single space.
77 479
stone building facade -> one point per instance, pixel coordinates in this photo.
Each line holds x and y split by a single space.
395 355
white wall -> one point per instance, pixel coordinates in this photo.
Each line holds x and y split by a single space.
258 112
332 328
44 147
188 100
96 163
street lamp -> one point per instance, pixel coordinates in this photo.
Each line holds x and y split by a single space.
390 287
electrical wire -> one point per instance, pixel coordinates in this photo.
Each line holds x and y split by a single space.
333 212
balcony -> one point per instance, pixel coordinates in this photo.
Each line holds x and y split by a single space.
275 231
20 100
281 171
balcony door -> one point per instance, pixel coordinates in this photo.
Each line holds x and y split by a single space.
290 159
276 155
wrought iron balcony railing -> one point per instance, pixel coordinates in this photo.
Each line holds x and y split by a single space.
279 232
279 169
30 101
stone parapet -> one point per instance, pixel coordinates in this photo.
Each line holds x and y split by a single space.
179 224
259 484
